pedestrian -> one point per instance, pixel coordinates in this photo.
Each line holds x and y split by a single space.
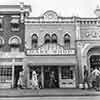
39 80
86 83
34 80
52 80
96 73
20 83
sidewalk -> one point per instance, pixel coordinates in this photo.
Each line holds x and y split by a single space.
47 92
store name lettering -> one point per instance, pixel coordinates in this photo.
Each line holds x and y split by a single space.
50 52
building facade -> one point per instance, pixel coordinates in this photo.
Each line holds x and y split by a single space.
47 44
50 46
12 31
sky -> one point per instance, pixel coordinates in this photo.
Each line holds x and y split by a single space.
81 8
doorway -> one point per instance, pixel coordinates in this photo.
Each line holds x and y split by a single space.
17 70
48 70
95 61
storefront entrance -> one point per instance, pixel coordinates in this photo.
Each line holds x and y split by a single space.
94 61
51 78
17 70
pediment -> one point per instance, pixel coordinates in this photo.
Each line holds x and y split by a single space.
50 16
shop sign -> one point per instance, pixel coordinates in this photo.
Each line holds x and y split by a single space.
50 52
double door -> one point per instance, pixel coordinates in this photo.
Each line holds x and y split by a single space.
17 70
51 77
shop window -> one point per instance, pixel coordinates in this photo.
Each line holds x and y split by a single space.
5 73
54 38
15 24
34 41
47 39
67 40
67 72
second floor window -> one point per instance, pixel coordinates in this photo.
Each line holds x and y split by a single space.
67 41
34 41
1 24
54 38
15 43
47 39
15 24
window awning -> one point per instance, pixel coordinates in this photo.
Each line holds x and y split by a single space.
15 21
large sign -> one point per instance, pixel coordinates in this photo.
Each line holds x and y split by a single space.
32 52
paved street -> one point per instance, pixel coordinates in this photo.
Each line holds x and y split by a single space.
54 98
47 93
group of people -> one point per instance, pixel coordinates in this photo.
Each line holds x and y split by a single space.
92 79
36 82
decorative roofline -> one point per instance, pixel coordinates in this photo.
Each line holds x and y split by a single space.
13 9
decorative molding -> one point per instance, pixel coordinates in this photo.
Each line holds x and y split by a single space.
15 37
50 16
80 44
93 35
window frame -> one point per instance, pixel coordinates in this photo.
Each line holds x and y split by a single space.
34 41
47 38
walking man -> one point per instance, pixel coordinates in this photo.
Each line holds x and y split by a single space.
86 80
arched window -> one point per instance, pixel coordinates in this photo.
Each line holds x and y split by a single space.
34 40
15 42
54 38
47 39
1 41
67 40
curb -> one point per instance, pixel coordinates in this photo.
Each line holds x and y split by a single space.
68 95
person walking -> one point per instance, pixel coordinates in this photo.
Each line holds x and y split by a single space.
39 80
52 80
20 83
96 73
86 78
34 80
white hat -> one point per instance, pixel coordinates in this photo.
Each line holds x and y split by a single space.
34 72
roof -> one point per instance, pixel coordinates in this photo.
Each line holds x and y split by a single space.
5 9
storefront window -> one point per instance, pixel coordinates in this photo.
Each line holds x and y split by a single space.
66 72
5 73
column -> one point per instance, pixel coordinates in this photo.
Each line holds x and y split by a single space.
42 76
13 61
79 64
59 71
